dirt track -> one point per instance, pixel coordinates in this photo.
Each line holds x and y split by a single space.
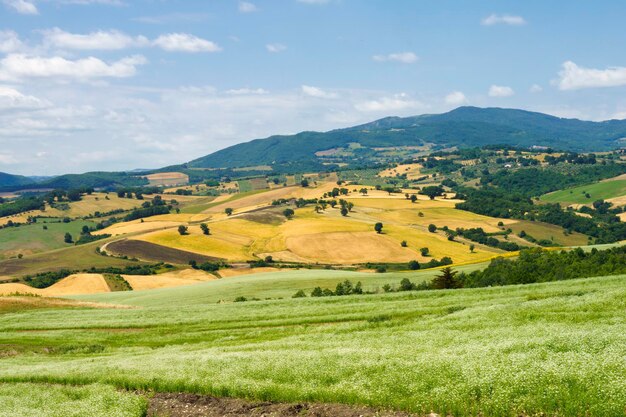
191 405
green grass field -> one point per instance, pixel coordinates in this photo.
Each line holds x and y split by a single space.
600 190
32 238
554 349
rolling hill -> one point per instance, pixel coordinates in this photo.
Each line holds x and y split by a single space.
462 127
10 180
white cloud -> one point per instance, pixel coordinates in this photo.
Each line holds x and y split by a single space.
184 42
397 102
403 57
101 40
247 7
496 19
13 99
456 98
22 6
573 77
172 18
500 91
317 92
275 47
247 91
9 41
18 66
536 88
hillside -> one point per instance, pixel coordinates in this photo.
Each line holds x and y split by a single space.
462 127
10 180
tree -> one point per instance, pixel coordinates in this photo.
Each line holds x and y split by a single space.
205 229
182 230
85 230
424 251
299 294
432 191
446 280
413 198
317 292
304 182
288 213
363 191
350 206
403 244
378 227
68 238
432 228
344 211
472 247
228 211
406 285
414 265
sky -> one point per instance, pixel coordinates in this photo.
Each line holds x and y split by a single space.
111 85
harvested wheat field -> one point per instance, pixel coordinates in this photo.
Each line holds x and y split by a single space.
412 171
136 226
73 285
168 279
168 178
235 272
349 248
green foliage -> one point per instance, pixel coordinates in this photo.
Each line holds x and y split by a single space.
378 227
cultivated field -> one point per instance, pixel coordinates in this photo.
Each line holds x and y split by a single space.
492 351
168 179
603 190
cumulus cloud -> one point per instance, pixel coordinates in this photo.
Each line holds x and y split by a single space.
22 6
100 40
317 92
9 41
505 19
397 102
403 57
13 99
19 66
247 7
184 42
573 77
456 98
500 91
275 47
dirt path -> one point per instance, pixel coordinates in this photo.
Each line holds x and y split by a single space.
191 405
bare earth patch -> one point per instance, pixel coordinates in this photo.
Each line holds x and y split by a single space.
191 405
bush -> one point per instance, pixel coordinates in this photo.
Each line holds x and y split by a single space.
300 293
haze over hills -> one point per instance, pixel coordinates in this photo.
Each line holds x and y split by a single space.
462 127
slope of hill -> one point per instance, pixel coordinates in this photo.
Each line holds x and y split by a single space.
10 180
463 127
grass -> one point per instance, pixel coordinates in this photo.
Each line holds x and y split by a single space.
35 400
555 348
601 190
32 238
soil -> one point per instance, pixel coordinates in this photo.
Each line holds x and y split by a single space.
156 253
191 405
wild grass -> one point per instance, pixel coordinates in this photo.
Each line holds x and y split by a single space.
554 349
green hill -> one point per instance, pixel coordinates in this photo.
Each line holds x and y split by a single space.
10 180
462 127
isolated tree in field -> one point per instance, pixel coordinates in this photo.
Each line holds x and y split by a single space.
447 279
304 183
404 244
344 211
363 191
432 191
228 211
472 247
85 230
432 228
288 213
350 206
182 230
407 196
205 229
378 227
424 251
68 238
413 198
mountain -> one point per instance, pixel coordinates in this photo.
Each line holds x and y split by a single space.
10 180
462 127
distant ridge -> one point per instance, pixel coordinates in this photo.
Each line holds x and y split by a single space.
462 127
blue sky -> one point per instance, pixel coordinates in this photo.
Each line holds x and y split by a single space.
119 84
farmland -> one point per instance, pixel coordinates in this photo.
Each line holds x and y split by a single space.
587 194
493 351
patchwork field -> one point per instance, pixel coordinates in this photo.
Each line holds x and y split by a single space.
492 351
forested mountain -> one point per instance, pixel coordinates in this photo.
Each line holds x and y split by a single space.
9 180
463 127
